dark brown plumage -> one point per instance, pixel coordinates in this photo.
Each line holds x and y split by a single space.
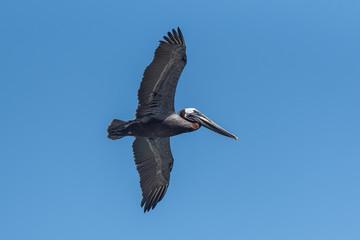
157 89
154 163
156 120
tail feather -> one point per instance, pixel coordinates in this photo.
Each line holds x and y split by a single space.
116 129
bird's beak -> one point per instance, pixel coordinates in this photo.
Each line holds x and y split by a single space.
206 122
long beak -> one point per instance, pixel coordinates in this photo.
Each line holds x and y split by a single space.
206 122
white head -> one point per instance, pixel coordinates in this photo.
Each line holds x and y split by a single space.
189 111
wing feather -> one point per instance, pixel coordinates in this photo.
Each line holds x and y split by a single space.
176 36
158 86
172 38
154 162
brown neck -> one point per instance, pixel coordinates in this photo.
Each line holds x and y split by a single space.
195 125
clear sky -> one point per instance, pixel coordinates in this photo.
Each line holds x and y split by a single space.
284 76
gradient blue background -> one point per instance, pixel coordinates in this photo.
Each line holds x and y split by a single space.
284 76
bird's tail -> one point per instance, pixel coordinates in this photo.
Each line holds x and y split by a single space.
117 129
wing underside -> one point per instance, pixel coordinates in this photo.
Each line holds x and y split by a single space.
158 86
154 163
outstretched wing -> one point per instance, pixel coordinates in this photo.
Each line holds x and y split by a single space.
154 162
157 88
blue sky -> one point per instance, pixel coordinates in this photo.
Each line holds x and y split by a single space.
283 76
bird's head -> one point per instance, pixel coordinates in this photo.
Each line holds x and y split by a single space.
194 115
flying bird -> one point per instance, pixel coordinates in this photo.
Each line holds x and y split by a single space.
156 120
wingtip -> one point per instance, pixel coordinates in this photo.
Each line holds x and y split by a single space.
174 37
151 201
181 36
179 31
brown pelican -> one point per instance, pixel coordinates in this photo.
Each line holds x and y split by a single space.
156 120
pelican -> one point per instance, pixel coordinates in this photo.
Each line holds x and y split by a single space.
156 120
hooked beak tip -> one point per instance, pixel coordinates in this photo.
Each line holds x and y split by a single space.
206 122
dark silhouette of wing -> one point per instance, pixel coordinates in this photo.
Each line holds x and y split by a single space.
154 163
157 88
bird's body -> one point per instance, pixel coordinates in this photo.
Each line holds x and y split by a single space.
156 120
157 127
